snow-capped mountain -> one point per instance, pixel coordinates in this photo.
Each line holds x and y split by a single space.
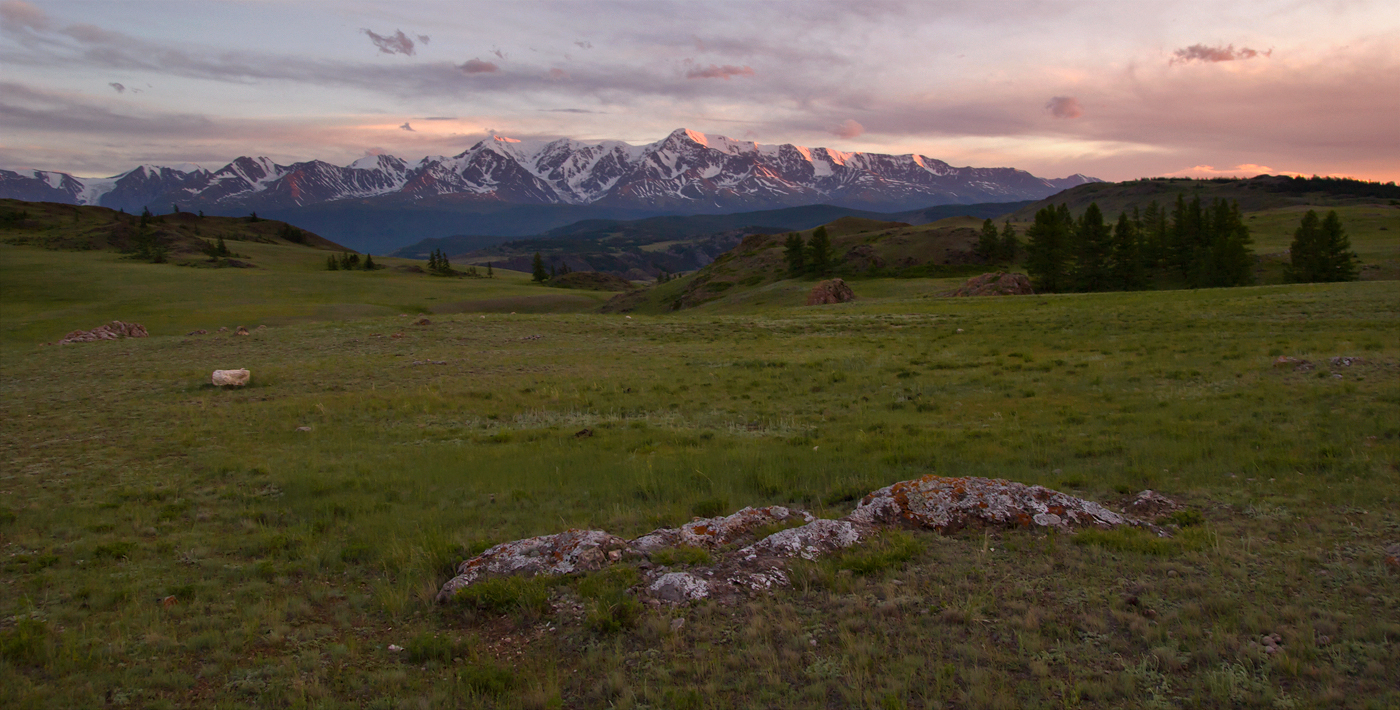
687 172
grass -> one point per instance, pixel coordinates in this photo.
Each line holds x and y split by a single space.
293 559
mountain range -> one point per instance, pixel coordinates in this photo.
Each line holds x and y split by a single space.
479 190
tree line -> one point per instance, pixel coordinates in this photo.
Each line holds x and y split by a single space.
1206 245
1203 245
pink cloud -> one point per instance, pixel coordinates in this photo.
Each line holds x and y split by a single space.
397 43
1064 107
848 129
18 13
718 72
476 66
557 74
1207 53
1242 170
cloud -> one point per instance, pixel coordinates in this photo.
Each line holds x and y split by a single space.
1207 53
568 110
1242 170
476 66
718 72
584 44
848 129
499 54
1064 107
397 43
118 86
18 13
407 127
424 38
556 74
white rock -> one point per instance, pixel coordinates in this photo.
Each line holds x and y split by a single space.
234 378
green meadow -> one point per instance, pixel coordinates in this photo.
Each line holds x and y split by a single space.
164 543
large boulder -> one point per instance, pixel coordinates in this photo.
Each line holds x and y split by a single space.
711 533
830 291
995 284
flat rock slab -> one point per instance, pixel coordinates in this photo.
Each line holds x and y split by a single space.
112 331
711 533
948 504
562 553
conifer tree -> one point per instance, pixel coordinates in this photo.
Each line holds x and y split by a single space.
369 263
795 254
1128 274
1047 249
1321 251
332 264
988 246
444 267
490 274
1094 245
220 248
1009 247
537 272
819 252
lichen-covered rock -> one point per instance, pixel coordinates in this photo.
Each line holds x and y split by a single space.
995 284
830 291
808 542
561 553
711 533
947 504
112 331
679 587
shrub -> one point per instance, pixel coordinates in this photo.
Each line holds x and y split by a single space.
26 644
501 595
886 552
434 647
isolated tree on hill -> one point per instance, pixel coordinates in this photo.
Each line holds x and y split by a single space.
1048 244
145 216
795 254
174 209
1321 251
988 243
332 264
1009 247
369 263
819 252
254 217
537 272
490 274
220 248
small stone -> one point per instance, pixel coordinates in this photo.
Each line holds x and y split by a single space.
395 648
1171 573
241 331
169 601
583 433
422 321
830 291
303 428
231 378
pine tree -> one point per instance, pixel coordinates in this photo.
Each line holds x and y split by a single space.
174 209
369 263
988 246
1321 251
537 272
1128 274
1010 246
490 274
1094 245
432 261
1047 249
145 216
1225 258
819 252
220 248
795 254
444 266
332 264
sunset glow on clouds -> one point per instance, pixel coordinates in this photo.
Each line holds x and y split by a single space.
1111 89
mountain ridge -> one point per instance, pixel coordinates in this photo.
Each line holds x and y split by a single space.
686 171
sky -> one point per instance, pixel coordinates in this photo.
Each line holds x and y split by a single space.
1116 90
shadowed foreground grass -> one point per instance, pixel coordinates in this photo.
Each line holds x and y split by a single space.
167 544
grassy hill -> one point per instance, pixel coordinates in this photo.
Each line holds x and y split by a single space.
63 269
